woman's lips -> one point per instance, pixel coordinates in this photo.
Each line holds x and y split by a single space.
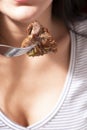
22 1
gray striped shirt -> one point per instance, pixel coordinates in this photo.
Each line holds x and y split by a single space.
70 112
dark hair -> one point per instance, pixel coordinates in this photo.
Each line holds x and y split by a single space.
70 10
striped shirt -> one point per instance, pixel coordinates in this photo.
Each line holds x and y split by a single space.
70 111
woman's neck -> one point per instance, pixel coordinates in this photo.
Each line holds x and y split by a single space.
11 32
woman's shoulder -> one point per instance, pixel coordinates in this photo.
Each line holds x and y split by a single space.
81 27
79 35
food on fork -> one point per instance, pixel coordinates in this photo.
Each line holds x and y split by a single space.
37 34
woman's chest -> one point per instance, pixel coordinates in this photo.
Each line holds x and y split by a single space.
30 96
29 91
71 114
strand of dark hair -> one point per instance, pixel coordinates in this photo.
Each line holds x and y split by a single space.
70 11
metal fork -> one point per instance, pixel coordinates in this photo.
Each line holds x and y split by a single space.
10 51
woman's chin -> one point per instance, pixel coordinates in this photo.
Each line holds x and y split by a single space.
24 15
23 19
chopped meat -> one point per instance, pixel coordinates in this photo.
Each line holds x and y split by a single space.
37 34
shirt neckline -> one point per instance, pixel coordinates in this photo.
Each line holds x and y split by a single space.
60 101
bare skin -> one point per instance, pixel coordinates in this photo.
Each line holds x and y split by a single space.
27 84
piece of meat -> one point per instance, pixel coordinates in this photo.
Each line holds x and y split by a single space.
36 33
